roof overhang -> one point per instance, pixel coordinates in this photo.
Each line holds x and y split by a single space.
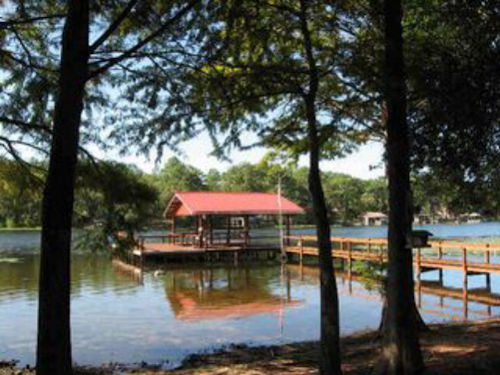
229 203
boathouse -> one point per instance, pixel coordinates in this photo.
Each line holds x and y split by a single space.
221 221
374 218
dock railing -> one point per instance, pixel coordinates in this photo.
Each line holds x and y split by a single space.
468 257
171 238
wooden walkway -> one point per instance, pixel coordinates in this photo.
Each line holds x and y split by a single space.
186 246
471 258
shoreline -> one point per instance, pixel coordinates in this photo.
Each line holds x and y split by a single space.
448 349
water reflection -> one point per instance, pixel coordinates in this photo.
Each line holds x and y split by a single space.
127 314
224 293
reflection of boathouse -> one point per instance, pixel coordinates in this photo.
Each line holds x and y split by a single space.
223 293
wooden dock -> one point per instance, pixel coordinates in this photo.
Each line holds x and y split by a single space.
185 246
471 258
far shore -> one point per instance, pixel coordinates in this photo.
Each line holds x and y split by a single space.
21 229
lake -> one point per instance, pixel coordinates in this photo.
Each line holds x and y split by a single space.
162 315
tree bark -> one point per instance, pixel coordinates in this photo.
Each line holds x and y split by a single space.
400 343
329 335
330 363
54 339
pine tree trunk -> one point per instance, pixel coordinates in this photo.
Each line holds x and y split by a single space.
54 339
329 331
401 349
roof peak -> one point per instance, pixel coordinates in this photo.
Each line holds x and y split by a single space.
224 192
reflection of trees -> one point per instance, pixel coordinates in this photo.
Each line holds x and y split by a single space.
224 292
19 275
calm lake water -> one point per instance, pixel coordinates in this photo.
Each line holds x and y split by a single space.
164 315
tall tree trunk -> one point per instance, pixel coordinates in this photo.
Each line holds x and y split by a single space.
329 332
329 336
401 349
54 339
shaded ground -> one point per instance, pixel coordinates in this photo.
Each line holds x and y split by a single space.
450 349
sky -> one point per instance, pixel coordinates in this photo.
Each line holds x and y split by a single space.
196 152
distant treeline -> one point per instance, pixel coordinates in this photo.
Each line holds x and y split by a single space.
114 195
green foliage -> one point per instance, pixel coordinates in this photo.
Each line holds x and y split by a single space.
451 58
111 198
20 195
176 176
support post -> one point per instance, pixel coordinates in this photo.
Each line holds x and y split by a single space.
464 261
418 263
211 229
349 259
288 220
301 249
465 287
419 282
173 224
228 229
200 230
246 224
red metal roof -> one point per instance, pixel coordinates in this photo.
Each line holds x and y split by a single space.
192 203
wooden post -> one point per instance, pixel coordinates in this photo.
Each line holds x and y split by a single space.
419 288
287 242
349 262
301 249
228 228
211 229
173 224
465 287
464 260
487 254
440 250
246 224
200 230
418 263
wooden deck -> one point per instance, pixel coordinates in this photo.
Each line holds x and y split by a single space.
471 258
170 250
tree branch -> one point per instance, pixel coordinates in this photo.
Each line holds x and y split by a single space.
144 41
23 21
113 26
23 124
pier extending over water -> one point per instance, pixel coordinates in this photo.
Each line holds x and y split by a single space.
471 258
